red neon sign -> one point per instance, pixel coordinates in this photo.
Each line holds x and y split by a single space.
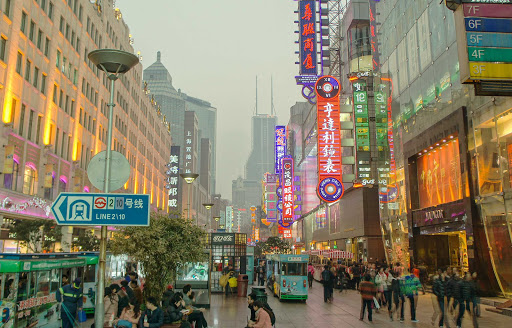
330 186
288 203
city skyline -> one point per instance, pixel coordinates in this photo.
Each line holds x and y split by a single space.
238 64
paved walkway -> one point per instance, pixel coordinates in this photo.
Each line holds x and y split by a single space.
232 312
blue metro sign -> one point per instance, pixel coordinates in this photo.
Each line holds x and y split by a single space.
101 209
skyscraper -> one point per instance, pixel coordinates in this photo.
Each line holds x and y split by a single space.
173 104
261 158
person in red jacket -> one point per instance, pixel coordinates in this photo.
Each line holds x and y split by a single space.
262 317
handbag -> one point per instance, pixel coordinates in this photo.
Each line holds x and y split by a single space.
376 303
82 316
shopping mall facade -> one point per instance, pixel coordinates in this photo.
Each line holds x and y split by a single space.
440 163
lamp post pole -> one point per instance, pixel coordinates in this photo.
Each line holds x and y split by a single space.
208 207
113 62
189 179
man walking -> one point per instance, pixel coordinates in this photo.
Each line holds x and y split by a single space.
327 280
439 292
368 292
261 273
71 297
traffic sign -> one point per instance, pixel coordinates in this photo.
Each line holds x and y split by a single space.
101 209
119 172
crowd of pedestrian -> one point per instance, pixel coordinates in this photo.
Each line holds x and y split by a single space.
392 286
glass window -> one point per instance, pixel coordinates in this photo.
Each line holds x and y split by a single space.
295 269
3 46
22 120
11 180
43 283
30 179
35 81
31 31
19 62
43 84
47 48
28 69
23 24
50 11
7 8
30 125
54 280
8 287
39 39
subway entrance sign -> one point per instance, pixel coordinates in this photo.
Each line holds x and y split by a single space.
484 40
101 209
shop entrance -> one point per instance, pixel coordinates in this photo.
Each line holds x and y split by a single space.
438 250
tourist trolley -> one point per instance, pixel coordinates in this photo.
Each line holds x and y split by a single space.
288 276
29 286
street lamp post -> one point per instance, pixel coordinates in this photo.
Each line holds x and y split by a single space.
189 179
113 62
217 219
208 207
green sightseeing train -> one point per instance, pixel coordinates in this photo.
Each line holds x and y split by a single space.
29 283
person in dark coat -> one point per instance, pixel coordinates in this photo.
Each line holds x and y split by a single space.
153 317
250 301
466 294
127 289
173 314
438 289
71 297
328 282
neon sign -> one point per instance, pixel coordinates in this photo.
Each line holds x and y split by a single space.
288 194
307 40
280 147
330 186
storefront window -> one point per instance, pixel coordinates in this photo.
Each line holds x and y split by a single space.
8 286
43 283
498 236
439 176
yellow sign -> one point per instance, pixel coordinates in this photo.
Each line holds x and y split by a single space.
48 176
9 159
490 71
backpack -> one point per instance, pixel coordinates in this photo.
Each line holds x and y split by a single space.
356 271
270 314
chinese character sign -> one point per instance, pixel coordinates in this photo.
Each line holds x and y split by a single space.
287 187
189 152
173 178
330 186
307 39
280 147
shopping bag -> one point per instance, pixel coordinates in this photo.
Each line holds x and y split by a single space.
376 303
82 316
223 281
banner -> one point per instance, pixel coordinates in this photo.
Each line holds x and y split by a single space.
9 159
48 176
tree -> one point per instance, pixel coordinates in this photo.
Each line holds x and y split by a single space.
273 245
36 235
161 249
88 242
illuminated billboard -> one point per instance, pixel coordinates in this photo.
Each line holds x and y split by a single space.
330 186
288 192
280 146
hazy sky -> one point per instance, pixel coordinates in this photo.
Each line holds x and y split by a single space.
213 50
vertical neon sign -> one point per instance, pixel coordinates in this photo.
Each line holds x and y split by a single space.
288 194
307 41
280 147
330 186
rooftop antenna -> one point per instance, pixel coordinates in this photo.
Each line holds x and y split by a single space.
272 109
256 95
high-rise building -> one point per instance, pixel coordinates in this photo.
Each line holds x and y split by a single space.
261 158
170 100
54 110
207 118
174 103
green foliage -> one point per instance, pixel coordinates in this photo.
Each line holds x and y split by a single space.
88 242
36 235
273 245
161 249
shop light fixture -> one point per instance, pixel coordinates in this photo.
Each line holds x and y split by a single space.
431 147
451 137
444 140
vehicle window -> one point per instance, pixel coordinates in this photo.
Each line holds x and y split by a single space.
296 269
32 291
9 287
22 287
43 283
90 273
54 280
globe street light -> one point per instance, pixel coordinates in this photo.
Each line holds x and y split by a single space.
208 207
113 62
189 179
